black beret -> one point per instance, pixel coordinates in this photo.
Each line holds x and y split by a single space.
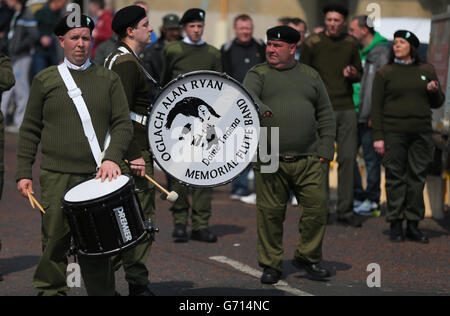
283 33
336 7
409 36
68 22
193 15
128 17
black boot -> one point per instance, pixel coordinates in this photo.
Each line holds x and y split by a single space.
180 234
315 270
270 276
396 234
204 235
414 234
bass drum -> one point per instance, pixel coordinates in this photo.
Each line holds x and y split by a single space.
204 129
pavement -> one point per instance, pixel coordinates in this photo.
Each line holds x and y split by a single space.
229 267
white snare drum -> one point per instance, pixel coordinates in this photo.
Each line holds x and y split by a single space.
204 129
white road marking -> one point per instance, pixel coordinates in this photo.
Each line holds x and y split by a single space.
281 285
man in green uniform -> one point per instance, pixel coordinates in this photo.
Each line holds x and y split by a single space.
6 82
182 57
52 121
335 55
301 110
133 29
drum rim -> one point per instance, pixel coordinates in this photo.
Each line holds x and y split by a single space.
181 77
96 200
114 252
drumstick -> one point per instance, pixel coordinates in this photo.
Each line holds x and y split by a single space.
31 200
171 196
35 202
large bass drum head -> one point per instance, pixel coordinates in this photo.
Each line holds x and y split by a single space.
204 129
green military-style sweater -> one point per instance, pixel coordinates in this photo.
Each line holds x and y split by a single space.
52 121
330 56
181 58
400 100
137 89
300 107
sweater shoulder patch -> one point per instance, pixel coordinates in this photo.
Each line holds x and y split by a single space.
125 58
174 48
260 69
313 40
49 77
426 67
351 39
311 72
105 73
385 70
213 50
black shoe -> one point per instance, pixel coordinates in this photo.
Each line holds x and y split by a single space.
414 234
353 221
270 276
180 234
140 290
313 269
396 233
203 235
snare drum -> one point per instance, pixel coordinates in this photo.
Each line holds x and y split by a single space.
105 218
204 129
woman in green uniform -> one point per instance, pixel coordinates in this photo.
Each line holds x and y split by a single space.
404 93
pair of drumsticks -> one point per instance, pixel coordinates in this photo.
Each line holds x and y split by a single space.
34 202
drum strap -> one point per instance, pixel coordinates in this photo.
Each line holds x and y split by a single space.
76 95
141 119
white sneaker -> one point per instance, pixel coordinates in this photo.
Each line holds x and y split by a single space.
249 199
364 209
235 197
357 203
294 201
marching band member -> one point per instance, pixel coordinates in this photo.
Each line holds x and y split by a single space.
132 26
181 57
302 111
52 121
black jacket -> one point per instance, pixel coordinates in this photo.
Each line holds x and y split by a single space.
238 59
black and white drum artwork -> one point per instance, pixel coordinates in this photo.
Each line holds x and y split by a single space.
204 129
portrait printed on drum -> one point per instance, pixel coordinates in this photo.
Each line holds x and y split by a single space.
198 120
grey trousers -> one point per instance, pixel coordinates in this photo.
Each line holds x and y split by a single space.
20 91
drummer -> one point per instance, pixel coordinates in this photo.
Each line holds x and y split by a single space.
181 57
132 26
52 121
303 114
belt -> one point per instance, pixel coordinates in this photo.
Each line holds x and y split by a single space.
138 118
291 158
